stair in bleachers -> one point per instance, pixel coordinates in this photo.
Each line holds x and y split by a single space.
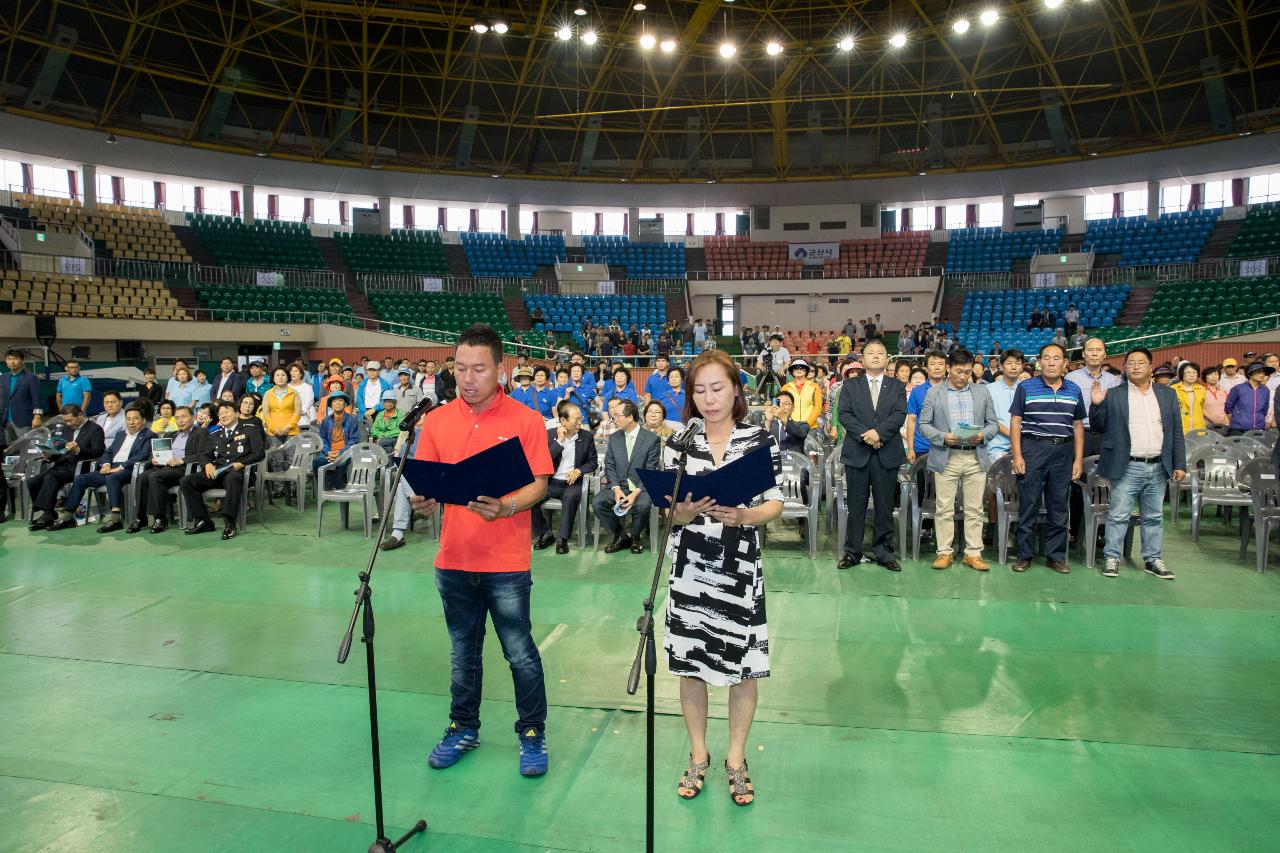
1000 316
18 217
935 255
1172 238
190 241
186 298
695 261
456 259
676 308
1072 244
952 304
575 255
1220 239
517 315
336 261
1135 309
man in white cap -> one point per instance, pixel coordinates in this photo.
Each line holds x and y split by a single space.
369 391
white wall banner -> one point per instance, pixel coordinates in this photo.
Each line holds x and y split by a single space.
1046 279
813 254
432 284
267 278
606 287
73 266
1256 266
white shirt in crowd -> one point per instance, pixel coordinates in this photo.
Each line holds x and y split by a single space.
125 447
1146 431
1226 383
569 449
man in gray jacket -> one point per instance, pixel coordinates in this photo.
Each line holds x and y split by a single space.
959 419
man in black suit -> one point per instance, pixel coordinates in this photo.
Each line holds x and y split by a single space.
1142 447
114 469
228 379
236 448
190 445
80 439
778 421
872 410
573 455
629 448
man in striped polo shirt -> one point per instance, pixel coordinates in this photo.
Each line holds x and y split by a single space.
1046 437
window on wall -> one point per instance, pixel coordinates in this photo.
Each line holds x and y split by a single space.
614 224
526 221
674 223
990 214
397 215
1097 206
12 175
1133 203
290 207
48 181
922 219
582 223
490 219
704 223
1216 194
1175 198
180 197
457 219
217 200
104 189
954 216
326 211
1264 188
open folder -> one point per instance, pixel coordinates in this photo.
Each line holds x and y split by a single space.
730 485
495 472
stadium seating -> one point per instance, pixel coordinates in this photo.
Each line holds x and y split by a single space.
994 249
990 316
736 258
266 244
1179 306
495 256
642 260
1174 238
410 252
84 296
896 253
451 312
290 304
134 233
1259 234
567 313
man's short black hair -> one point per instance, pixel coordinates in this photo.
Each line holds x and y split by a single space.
1058 347
676 369
134 407
630 409
562 408
933 353
1015 354
15 352
72 410
482 335
777 338
959 357
1142 350
227 404
186 409
112 393
788 395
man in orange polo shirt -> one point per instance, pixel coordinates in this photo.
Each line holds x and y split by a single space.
482 567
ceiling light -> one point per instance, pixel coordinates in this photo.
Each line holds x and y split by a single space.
480 27
495 175
564 34
647 41
1093 153
668 45
898 40
845 44
960 25
711 180
922 173
111 139
727 49
773 48
500 27
589 37
375 165
989 17
580 11
261 152
639 7
1052 4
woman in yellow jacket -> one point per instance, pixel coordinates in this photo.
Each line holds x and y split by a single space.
1190 396
806 392
281 409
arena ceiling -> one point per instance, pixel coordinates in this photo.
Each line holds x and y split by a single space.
413 86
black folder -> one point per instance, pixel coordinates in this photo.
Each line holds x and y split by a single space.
730 485
498 471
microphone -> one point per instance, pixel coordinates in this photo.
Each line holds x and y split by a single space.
415 414
683 440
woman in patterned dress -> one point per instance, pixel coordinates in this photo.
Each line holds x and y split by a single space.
715 629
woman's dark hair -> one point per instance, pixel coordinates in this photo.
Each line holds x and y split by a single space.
541 368
651 404
257 401
676 369
1182 368
210 408
160 406
283 370
482 335
788 395
715 358
624 372
1213 368
917 369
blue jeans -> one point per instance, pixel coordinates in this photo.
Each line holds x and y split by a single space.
469 597
1145 483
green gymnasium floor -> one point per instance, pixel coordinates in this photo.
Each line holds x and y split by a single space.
161 693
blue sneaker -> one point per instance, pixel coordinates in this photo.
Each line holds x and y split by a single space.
456 741
533 753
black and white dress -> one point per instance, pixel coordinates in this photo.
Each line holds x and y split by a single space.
716 629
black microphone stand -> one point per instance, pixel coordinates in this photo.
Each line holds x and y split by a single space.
364 607
647 650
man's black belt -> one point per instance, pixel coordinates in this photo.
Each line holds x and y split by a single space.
1047 439
1150 460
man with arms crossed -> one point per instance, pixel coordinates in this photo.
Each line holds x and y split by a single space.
482 567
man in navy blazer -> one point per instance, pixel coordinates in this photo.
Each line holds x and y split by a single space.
1142 447
80 440
20 407
872 410
228 379
566 484
114 469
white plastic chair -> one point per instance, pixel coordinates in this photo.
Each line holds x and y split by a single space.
365 460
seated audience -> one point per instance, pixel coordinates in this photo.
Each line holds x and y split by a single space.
114 470
788 432
385 429
71 441
621 494
111 419
164 421
655 420
339 430
573 455
190 446
234 449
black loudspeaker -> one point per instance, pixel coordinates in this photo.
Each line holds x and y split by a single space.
46 327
